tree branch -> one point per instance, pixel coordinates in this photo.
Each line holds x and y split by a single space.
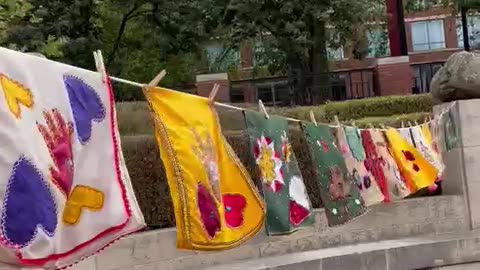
128 16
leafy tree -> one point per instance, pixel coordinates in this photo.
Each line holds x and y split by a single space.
65 30
299 29
18 12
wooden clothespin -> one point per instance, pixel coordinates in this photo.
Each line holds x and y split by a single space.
403 124
262 108
156 80
97 55
409 123
213 93
337 122
353 124
416 123
383 126
312 118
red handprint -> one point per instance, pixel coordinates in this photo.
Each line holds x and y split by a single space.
57 135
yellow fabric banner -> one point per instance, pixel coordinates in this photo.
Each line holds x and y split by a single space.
417 172
215 202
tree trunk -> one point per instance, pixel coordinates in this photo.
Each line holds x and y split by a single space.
320 90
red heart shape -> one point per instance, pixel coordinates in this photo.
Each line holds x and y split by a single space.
234 205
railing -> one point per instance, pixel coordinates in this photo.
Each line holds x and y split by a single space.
317 88
422 76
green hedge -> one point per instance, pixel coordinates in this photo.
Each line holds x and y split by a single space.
390 121
378 106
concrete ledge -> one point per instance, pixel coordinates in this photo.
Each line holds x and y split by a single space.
407 218
405 254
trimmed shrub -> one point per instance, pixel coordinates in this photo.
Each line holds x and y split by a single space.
391 121
378 106
148 180
134 118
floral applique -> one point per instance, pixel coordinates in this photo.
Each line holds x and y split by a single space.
206 155
269 163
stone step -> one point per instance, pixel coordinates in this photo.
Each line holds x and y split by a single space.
446 251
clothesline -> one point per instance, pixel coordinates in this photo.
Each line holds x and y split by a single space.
141 85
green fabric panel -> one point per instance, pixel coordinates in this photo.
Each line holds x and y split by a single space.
354 142
283 213
340 196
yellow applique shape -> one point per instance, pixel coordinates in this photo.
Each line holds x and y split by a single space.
81 197
15 94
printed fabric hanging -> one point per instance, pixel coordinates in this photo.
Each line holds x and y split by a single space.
287 203
396 185
339 194
373 162
215 202
406 135
65 190
351 148
421 136
417 172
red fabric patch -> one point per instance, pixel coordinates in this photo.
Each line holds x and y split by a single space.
234 205
324 146
296 213
408 155
373 163
208 211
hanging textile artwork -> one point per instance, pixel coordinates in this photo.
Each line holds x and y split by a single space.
288 205
215 202
351 148
396 186
338 192
417 172
406 135
422 137
65 189
373 162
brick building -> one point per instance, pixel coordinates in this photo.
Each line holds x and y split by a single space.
432 36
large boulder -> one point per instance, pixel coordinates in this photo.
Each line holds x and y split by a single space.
458 79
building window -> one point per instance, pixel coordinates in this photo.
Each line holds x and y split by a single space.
473 23
428 35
